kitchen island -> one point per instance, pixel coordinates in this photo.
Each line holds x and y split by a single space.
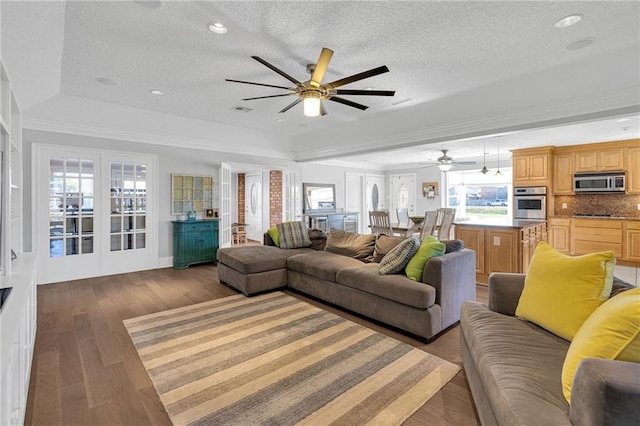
501 244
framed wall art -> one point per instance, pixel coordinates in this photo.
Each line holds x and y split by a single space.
191 193
430 189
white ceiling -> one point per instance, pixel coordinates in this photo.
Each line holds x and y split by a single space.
472 70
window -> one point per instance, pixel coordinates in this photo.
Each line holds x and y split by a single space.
478 196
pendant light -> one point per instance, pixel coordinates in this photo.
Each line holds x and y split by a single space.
498 173
484 170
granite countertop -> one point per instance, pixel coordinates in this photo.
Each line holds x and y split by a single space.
596 217
502 222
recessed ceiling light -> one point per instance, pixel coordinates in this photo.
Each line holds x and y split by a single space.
368 87
218 28
622 120
567 21
106 81
156 92
281 120
580 44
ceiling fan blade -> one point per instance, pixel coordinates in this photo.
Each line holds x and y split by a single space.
291 105
264 97
259 84
279 71
366 92
321 67
348 102
356 77
464 162
322 110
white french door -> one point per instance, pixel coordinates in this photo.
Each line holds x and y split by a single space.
253 205
292 200
376 195
94 213
224 225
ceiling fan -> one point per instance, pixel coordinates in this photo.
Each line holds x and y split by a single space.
312 91
445 162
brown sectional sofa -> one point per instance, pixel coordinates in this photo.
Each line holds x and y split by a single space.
422 308
514 369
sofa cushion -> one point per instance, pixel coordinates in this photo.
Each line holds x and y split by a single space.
293 235
453 245
396 260
561 291
395 287
430 247
249 259
321 264
611 332
520 365
358 246
384 244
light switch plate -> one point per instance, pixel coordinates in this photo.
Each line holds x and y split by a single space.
496 241
564 205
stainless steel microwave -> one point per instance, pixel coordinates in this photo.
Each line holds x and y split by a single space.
599 182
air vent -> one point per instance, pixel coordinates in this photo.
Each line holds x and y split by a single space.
242 108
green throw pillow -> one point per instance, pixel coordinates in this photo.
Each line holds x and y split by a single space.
273 233
429 248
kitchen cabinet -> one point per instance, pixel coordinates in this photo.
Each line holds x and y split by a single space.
632 241
194 241
600 160
633 173
531 166
559 234
593 235
563 174
501 248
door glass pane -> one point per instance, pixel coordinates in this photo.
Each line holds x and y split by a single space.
141 240
254 198
87 245
71 184
129 203
374 196
403 196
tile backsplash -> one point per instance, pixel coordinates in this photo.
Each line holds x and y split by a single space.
598 204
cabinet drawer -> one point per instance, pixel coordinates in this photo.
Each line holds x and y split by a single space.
584 247
606 235
633 224
598 223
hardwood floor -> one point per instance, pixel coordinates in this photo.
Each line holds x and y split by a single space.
86 371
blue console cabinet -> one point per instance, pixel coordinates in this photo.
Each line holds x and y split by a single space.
194 241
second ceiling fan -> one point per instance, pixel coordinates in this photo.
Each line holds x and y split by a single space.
313 91
445 162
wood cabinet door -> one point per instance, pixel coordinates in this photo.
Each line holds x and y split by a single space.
559 238
586 161
521 167
538 167
563 174
612 159
633 175
473 239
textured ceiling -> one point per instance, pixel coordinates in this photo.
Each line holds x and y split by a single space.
443 56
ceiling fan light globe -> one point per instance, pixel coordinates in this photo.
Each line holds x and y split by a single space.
311 106
445 167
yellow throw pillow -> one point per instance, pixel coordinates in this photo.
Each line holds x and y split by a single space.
430 247
273 233
611 332
560 291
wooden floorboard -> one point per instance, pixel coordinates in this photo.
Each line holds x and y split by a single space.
87 372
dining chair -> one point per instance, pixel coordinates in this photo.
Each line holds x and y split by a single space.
444 222
403 214
380 223
238 233
429 224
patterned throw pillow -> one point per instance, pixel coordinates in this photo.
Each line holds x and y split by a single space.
293 235
396 260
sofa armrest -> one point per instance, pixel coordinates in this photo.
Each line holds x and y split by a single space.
504 292
453 275
606 392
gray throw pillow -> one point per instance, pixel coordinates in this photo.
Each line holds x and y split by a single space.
293 235
453 245
396 260
358 246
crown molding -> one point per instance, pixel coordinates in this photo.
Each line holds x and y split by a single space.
164 140
613 104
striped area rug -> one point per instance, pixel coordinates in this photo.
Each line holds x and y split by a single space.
274 359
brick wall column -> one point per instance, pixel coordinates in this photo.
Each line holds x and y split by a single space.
240 197
275 197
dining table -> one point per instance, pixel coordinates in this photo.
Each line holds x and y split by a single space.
406 228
